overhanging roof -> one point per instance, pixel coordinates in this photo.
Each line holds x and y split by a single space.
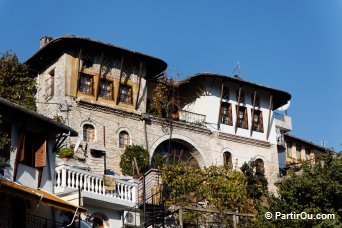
44 197
57 46
280 97
295 138
12 108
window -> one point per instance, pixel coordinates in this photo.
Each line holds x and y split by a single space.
227 159
106 88
289 146
123 139
307 153
226 113
50 85
242 96
259 167
86 84
88 133
299 152
257 121
126 94
32 149
225 94
242 118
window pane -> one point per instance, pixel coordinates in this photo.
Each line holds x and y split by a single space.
126 94
86 84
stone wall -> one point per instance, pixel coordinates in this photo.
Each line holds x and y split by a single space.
109 121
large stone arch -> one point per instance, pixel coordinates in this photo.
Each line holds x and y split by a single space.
198 154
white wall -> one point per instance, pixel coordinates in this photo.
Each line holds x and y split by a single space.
209 104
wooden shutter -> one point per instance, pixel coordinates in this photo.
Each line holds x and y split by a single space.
245 119
91 85
261 123
92 134
40 152
21 146
230 115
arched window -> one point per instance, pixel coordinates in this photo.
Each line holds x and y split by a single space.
259 166
227 159
124 139
88 133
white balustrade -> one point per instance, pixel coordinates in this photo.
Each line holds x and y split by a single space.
90 182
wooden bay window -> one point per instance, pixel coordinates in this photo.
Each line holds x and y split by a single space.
226 113
257 121
106 89
86 84
242 117
125 95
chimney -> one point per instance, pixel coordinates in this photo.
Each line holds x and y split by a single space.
45 40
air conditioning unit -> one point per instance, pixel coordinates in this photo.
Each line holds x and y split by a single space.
132 219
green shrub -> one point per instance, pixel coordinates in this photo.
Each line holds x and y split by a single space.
65 152
141 155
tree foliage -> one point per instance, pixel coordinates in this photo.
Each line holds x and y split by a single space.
316 189
140 154
256 181
16 84
164 99
216 186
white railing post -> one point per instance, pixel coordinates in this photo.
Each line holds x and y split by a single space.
63 184
77 180
73 179
134 192
58 178
93 183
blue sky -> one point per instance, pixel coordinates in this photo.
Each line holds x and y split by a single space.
292 45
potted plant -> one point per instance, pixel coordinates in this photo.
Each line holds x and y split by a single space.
65 153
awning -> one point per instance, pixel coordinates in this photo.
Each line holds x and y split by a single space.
44 197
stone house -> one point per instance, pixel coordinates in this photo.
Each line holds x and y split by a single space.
103 92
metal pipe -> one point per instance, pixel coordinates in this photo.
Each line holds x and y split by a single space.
144 196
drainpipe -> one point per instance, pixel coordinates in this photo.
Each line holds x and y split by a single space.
144 194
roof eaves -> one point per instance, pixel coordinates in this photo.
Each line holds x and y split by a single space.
64 128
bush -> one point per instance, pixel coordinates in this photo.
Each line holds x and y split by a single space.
65 152
141 155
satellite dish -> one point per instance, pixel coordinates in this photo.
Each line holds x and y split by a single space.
285 106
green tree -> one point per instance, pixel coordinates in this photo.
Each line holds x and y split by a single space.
16 84
256 180
217 186
140 154
315 189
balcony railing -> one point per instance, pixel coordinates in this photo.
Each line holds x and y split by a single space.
191 117
68 177
6 220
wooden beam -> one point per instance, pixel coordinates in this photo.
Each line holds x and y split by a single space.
211 210
219 115
237 109
99 79
138 93
118 93
269 117
78 70
252 125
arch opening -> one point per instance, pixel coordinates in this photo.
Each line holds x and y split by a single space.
174 151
